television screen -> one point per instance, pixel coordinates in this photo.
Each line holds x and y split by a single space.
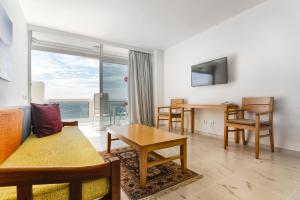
210 73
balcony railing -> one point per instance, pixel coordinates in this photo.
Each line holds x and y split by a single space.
83 110
74 109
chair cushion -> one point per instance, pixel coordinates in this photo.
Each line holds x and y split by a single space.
167 114
46 119
67 148
10 132
249 122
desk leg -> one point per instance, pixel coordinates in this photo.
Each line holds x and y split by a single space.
237 135
183 153
143 167
182 121
192 120
108 142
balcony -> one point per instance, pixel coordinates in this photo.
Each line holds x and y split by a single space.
85 111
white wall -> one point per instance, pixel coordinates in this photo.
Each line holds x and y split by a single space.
263 47
158 77
15 92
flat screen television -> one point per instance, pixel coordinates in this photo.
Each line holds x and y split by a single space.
210 73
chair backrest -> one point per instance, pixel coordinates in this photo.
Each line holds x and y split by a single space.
104 107
258 104
96 101
175 102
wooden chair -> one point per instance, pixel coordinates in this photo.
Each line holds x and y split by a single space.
174 112
255 105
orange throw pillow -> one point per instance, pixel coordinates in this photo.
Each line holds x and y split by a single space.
10 132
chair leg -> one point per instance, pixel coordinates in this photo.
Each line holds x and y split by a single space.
225 136
257 143
170 123
271 139
157 122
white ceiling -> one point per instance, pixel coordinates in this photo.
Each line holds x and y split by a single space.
142 23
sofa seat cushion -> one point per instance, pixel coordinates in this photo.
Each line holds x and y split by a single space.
67 148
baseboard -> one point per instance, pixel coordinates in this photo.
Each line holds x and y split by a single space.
230 138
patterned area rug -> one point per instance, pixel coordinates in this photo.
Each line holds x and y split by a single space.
160 179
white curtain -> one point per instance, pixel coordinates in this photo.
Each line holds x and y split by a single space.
140 88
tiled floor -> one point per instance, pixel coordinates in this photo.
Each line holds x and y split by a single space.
229 174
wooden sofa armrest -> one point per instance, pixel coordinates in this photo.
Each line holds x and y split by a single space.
25 177
115 179
73 123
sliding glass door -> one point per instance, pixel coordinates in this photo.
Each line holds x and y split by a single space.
114 99
88 79
72 81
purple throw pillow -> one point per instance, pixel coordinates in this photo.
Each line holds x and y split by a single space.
46 119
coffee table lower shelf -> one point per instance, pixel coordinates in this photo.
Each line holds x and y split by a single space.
144 150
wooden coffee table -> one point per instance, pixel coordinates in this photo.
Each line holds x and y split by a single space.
146 139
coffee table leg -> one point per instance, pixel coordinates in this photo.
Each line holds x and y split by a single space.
143 167
183 153
108 142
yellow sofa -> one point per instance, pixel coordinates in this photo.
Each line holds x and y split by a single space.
69 148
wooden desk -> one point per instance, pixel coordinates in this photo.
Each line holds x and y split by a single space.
192 107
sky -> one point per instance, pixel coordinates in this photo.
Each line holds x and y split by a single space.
75 77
